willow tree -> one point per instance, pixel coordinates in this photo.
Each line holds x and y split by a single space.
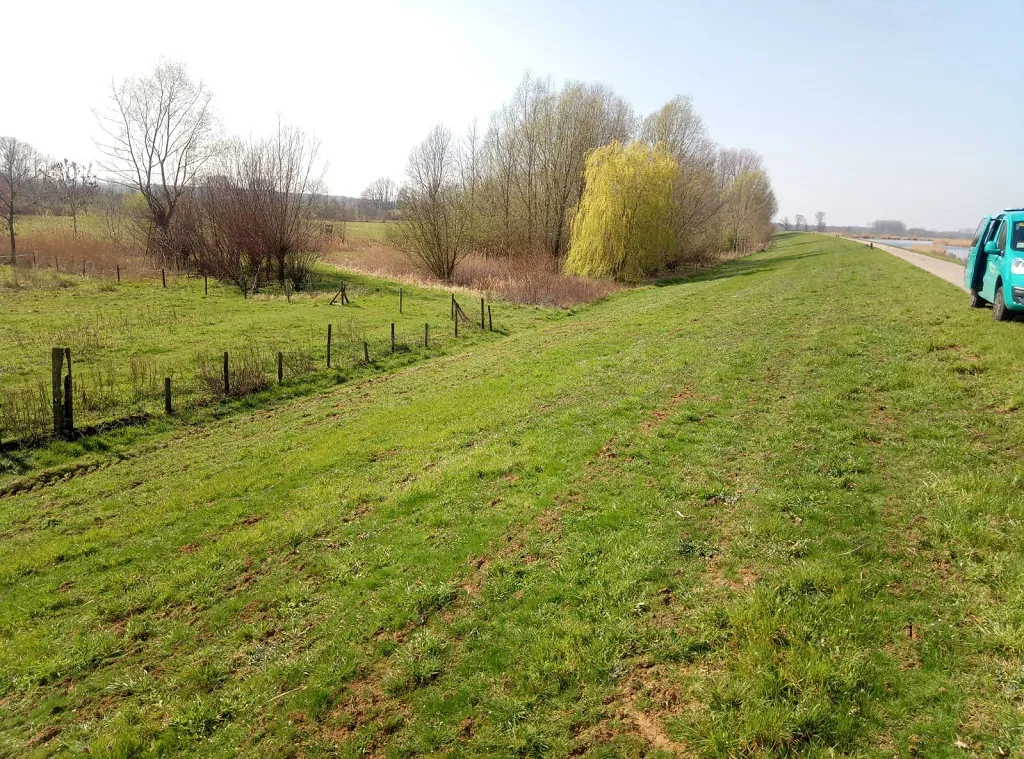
623 226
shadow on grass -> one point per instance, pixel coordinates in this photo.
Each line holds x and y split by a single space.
740 267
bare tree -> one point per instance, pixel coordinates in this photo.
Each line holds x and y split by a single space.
256 211
799 221
749 201
819 219
159 135
19 167
73 185
380 194
533 159
434 226
784 221
698 193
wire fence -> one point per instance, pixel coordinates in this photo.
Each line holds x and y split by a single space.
93 397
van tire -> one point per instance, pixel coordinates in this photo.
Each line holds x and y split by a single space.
976 300
999 310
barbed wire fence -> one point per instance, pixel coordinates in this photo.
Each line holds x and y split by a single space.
83 400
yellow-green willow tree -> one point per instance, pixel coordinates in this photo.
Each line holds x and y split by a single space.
623 226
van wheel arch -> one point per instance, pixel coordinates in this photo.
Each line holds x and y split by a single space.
999 310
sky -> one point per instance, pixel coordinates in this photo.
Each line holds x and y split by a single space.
864 110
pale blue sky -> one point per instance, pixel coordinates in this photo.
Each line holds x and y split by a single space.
864 110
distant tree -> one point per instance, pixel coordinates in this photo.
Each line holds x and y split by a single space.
750 202
784 221
434 229
159 135
800 222
20 165
73 185
380 195
819 219
624 225
893 227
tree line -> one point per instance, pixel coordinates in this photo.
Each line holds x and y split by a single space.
556 168
557 160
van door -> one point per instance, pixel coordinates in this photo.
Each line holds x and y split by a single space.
976 258
994 262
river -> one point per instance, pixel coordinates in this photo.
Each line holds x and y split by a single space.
960 253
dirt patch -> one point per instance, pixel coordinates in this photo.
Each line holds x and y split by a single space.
745 578
43 736
363 703
608 450
645 699
661 414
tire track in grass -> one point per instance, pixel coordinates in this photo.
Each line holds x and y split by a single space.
769 641
537 546
105 482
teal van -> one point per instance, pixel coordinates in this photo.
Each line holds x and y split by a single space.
995 265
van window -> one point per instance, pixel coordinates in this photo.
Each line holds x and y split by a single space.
977 234
1017 241
1001 237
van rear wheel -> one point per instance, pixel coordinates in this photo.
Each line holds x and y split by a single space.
999 310
976 300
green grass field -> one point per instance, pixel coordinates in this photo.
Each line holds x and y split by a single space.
88 224
125 338
92 223
767 511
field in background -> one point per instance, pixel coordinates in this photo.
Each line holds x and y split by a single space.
761 511
125 338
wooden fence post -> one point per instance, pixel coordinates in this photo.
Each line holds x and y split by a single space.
481 314
366 352
167 396
119 274
456 320
392 337
426 335
280 367
206 285
329 346
453 305
69 399
227 377
490 321
163 277
400 297
57 366
56 264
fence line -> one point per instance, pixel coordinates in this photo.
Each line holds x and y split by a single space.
98 395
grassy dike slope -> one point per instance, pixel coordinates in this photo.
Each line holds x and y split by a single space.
771 511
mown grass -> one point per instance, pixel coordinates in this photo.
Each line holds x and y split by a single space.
125 338
761 512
